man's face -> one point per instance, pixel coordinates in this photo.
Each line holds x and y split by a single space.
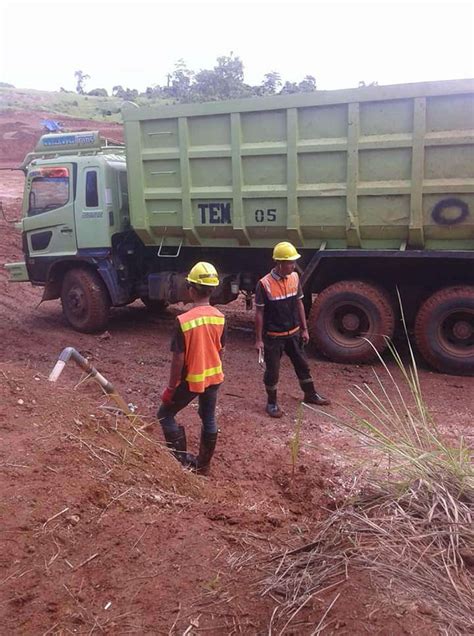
285 268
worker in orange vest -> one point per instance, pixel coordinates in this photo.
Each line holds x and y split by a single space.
196 369
280 326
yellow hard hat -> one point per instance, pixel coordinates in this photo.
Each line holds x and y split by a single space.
203 274
285 252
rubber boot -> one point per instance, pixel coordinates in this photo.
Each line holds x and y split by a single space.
176 442
206 451
311 396
272 408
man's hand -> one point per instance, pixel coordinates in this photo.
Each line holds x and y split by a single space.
167 396
305 336
259 348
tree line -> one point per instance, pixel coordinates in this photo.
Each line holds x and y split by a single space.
224 81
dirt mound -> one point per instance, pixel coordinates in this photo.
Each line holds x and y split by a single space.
104 532
93 513
102 526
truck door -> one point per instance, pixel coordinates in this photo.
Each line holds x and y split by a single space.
49 222
92 221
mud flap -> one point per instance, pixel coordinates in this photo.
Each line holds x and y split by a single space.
52 290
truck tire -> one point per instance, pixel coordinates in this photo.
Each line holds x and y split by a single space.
444 330
347 314
85 300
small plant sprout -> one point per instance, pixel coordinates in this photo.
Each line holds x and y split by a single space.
295 441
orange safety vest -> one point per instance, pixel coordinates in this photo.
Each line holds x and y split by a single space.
281 288
202 329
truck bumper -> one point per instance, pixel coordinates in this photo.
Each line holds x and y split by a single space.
17 272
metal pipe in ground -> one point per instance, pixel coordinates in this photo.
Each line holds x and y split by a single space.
70 353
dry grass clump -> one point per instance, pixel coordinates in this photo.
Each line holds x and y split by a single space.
409 545
410 527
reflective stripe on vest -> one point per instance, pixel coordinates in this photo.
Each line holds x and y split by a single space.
202 320
207 373
202 329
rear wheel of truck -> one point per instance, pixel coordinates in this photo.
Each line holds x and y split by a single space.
350 321
85 300
444 330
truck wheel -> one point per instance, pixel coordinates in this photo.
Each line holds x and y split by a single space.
444 330
85 300
347 314
154 306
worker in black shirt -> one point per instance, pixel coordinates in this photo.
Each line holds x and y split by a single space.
280 325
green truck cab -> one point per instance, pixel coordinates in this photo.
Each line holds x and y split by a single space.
375 187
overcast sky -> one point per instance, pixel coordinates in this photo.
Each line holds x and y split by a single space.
136 44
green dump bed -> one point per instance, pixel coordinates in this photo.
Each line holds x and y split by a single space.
375 167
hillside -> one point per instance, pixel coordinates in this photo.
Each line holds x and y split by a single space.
66 104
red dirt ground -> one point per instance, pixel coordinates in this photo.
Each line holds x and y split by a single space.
100 533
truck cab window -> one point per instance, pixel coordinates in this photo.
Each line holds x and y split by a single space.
49 189
92 192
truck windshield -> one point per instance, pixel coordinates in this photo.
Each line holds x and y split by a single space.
49 189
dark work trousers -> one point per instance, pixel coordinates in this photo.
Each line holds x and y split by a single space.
273 351
181 398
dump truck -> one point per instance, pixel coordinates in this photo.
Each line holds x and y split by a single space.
373 185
